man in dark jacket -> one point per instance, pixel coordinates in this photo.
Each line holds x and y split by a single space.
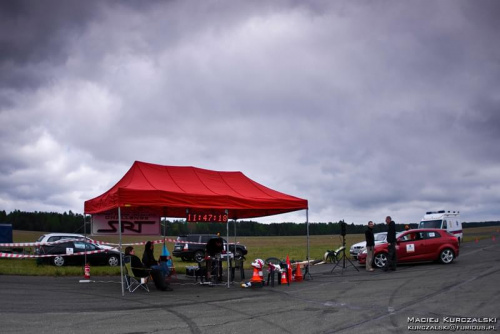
391 244
370 244
213 249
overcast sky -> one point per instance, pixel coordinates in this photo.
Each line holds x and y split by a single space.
364 108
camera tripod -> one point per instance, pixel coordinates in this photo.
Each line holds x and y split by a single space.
343 258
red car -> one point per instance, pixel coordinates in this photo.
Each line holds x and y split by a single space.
418 246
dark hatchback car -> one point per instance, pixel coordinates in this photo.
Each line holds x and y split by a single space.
73 253
194 247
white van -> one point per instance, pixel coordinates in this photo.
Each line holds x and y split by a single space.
446 220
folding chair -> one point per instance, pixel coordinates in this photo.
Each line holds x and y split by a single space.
133 282
333 256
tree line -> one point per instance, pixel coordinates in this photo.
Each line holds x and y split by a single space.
74 223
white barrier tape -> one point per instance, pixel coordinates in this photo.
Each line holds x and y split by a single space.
33 256
37 244
155 242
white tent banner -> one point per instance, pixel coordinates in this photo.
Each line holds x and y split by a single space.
133 223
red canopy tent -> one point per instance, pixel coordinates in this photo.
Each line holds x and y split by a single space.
177 190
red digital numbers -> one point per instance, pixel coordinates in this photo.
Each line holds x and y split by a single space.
206 217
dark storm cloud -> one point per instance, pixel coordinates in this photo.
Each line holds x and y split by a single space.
34 34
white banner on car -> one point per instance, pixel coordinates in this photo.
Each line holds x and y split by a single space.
133 223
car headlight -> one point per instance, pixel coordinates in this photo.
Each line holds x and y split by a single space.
363 251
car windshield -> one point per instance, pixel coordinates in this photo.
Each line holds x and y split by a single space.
430 224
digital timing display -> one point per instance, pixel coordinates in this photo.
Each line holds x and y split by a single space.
206 217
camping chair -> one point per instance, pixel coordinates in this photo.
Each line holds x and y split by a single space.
239 264
333 256
133 282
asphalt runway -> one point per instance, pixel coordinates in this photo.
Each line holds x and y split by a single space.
345 301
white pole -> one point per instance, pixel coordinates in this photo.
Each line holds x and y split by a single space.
120 248
308 273
307 225
227 250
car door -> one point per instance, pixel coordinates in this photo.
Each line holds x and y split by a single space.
411 247
80 250
67 249
433 241
205 238
95 258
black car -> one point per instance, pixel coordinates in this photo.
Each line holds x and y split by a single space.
196 250
108 257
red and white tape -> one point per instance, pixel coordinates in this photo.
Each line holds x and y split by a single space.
33 256
38 244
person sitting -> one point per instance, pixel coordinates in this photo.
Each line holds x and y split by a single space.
141 270
148 258
137 266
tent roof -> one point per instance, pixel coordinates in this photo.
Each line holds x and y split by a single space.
175 189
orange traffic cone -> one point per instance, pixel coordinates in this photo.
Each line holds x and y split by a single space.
283 277
256 281
298 274
289 269
256 277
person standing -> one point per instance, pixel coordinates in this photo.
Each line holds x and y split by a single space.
370 244
391 243
213 249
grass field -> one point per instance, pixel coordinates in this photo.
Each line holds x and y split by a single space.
258 247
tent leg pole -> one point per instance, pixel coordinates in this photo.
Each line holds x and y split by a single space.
121 264
227 250
307 274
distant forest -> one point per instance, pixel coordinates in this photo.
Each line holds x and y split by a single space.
73 223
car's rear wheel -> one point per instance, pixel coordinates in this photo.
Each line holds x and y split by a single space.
199 256
58 261
380 260
113 260
446 256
